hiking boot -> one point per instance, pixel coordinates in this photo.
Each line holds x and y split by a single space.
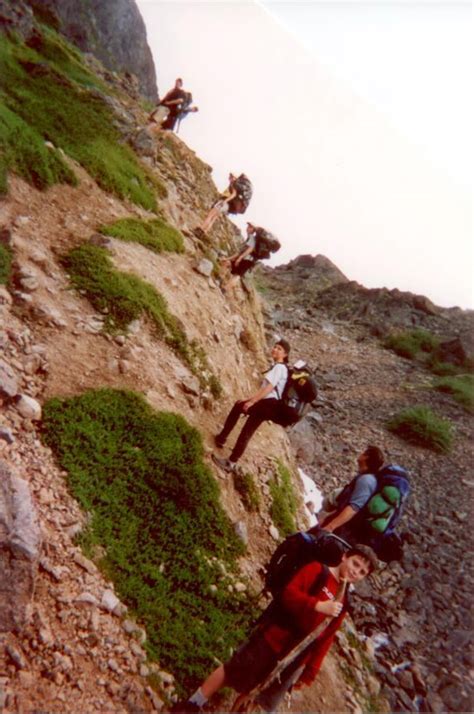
184 706
225 464
220 443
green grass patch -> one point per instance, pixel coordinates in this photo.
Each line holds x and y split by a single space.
3 176
420 426
283 508
245 485
25 152
157 519
157 235
410 343
6 258
460 387
48 88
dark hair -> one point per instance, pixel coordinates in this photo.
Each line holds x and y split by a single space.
286 346
365 552
375 458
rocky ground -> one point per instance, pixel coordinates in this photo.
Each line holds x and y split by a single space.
426 598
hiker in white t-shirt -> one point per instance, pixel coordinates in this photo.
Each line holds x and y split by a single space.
265 405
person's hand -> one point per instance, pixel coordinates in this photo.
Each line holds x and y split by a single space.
331 608
246 406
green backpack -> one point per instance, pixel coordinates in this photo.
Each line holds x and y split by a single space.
381 507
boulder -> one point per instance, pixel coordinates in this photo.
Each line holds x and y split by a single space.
20 544
458 351
8 381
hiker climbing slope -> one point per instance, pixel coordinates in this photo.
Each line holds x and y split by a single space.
235 199
170 108
260 244
264 405
306 602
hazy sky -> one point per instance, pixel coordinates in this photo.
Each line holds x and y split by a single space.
351 119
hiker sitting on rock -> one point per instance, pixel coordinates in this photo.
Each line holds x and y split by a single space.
260 244
313 601
369 507
169 108
235 199
264 405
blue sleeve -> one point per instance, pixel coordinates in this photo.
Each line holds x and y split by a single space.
364 488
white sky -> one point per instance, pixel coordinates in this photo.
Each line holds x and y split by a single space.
351 119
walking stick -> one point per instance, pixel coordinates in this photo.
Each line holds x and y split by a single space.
246 702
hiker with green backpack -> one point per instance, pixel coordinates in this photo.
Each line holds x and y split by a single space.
287 650
234 200
260 244
369 508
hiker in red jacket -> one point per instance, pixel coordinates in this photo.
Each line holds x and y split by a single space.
305 611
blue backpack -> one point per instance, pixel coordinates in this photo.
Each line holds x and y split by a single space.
375 523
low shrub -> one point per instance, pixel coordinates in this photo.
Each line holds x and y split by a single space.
460 387
283 508
5 264
156 515
410 343
245 485
420 426
157 235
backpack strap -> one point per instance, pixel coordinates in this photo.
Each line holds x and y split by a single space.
280 396
320 580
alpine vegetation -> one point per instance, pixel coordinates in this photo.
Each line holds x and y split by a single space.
156 521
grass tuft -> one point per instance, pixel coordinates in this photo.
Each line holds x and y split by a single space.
6 258
245 485
157 235
283 508
157 518
410 343
460 387
121 296
420 426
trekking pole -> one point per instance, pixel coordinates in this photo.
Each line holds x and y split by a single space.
247 703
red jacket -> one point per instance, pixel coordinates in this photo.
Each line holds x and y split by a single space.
300 604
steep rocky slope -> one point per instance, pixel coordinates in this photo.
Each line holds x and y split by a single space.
78 648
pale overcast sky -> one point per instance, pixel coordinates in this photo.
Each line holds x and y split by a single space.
351 119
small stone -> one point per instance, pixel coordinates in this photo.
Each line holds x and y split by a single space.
113 665
204 267
28 407
6 435
86 598
274 532
8 381
144 671
109 600
240 587
17 657
84 563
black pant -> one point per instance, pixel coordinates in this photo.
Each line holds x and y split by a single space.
264 410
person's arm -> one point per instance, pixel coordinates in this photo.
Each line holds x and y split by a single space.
365 487
344 516
242 255
261 394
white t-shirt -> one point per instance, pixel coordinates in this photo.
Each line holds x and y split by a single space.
277 377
